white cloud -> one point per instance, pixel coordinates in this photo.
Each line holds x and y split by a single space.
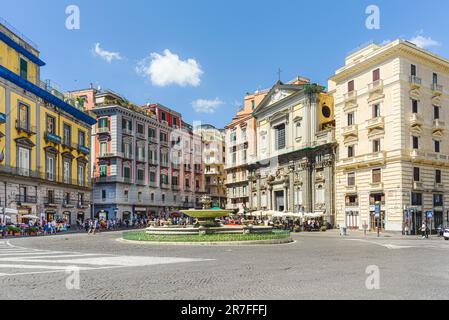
206 106
167 69
106 55
424 42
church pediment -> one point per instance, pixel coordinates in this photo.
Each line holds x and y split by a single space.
376 96
436 101
279 92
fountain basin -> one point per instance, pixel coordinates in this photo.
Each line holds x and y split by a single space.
190 230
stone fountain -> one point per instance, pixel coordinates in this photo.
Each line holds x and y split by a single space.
206 223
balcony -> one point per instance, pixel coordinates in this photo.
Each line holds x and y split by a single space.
83 149
140 136
107 155
324 137
140 182
2 117
82 204
51 137
165 185
68 144
152 140
164 164
375 123
20 198
22 127
415 82
153 162
437 89
351 189
352 205
375 158
197 170
127 155
439 186
52 201
69 203
127 132
376 86
438 125
140 158
418 185
187 168
175 188
164 143
350 97
350 130
176 166
103 130
153 184
376 186
416 119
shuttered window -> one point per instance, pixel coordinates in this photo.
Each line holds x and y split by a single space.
280 137
351 86
376 75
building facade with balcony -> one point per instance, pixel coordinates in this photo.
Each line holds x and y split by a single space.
391 127
240 143
44 139
294 168
138 161
214 158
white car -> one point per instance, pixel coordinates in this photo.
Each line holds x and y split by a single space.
446 234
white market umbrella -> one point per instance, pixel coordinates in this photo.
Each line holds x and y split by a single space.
30 216
9 211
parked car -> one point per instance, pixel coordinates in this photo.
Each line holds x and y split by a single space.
446 234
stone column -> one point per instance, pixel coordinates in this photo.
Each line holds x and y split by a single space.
292 188
258 192
286 200
307 194
307 122
269 197
313 118
250 192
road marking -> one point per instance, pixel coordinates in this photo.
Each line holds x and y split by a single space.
47 261
387 245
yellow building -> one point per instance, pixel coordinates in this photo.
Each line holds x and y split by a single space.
44 139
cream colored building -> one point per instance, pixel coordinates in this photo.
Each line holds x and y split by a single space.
214 159
240 141
391 125
294 167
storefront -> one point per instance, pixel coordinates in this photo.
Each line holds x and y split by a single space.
352 219
50 215
140 212
23 211
67 216
80 216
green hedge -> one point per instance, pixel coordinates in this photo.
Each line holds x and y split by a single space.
142 236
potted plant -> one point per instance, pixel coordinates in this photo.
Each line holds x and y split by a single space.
32 231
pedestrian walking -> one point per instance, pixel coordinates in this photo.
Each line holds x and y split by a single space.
424 230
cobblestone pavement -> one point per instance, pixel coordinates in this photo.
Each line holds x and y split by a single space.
315 266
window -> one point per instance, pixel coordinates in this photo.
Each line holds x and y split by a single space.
50 124
140 128
126 194
103 194
437 176
23 68
376 145
163 136
175 121
103 123
298 130
351 179
415 142
66 170
67 134
319 195
151 133
164 116
103 170
24 117
435 78
164 178
244 156
351 86
414 106
50 167
350 151
253 104
437 200
152 176
436 112
376 176
416 199
81 138
416 174
127 172
152 197
376 75
174 180
280 137
103 148
413 70
140 174
163 198
81 174
376 110
24 161
436 144
351 119
243 134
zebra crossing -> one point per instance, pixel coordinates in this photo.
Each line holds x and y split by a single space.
16 261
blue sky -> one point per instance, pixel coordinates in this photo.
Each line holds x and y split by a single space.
211 52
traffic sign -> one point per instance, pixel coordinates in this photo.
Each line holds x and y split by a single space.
377 210
429 214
